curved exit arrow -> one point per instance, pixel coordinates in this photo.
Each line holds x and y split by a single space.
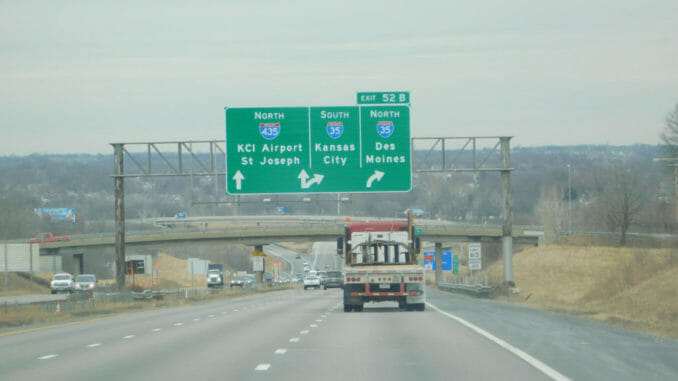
376 176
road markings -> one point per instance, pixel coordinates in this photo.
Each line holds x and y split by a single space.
280 351
178 324
547 370
314 325
262 367
294 340
196 319
94 345
319 320
323 316
304 332
235 310
224 312
129 337
157 330
47 357
210 316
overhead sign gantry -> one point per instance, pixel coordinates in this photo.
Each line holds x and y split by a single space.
364 148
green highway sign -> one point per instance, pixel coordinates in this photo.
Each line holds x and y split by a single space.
388 97
318 149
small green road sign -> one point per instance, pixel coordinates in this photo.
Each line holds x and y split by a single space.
455 264
388 97
318 149
418 231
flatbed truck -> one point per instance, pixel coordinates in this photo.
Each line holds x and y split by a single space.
381 265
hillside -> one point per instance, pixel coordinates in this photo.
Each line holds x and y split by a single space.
633 288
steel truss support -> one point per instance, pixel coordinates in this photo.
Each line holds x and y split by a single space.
157 162
484 160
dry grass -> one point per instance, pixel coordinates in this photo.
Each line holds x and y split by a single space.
17 285
635 288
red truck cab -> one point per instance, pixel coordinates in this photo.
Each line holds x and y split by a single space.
48 237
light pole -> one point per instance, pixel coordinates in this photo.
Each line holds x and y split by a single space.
569 200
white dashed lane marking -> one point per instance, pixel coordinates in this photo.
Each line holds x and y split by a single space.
157 330
281 351
314 325
47 357
262 367
304 332
178 324
94 345
294 340
129 337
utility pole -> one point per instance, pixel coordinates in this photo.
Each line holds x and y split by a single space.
569 200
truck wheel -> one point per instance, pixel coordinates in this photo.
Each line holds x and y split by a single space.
402 304
348 308
53 292
419 307
305 288
358 308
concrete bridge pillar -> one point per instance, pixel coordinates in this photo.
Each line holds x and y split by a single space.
258 263
439 262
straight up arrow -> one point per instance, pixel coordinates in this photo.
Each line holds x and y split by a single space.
238 177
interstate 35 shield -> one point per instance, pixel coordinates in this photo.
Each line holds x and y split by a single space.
335 129
385 129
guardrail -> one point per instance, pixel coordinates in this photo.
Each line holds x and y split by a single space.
472 289
467 285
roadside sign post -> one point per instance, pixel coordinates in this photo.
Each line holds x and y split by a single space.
474 257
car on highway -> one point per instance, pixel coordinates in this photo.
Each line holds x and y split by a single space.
62 282
297 256
322 275
333 279
311 280
242 281
85 283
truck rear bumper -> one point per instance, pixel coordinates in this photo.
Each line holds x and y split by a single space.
416 293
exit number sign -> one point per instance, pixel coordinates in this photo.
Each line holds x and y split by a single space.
389 97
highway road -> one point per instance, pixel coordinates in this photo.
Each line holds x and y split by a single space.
304 335
321 256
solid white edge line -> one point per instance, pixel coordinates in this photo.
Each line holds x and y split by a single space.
547 370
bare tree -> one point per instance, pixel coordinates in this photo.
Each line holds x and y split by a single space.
669 137
623 202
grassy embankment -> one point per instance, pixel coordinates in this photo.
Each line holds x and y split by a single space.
630 287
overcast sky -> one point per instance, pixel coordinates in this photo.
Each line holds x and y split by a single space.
78 75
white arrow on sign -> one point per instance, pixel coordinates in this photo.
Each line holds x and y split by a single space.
238 177
376 176
305 184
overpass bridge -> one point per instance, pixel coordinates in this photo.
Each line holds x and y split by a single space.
287 231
